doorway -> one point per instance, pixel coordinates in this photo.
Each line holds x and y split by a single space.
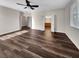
48 28
48 24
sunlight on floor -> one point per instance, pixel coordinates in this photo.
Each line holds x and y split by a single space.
13 35
48 33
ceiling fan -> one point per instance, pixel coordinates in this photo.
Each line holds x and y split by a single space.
28 5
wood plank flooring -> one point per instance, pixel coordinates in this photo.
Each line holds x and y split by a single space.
38 44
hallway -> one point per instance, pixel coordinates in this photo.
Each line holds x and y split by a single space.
47 33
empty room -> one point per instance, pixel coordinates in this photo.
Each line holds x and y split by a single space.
39 28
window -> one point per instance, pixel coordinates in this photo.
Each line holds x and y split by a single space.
74 16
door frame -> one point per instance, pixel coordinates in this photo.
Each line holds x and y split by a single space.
53 21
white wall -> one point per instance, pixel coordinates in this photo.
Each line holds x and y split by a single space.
28 19
38 19
73 33
9 20
29 22
38 22
47 20
59 18
25 20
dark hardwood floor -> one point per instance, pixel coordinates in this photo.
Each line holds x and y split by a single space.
38 44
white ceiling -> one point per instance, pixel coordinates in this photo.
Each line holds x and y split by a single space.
44 4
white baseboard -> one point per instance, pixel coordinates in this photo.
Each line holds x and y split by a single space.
74 42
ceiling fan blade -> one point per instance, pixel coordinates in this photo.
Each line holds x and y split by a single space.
34 5
27 1
32 8
20 4
25 7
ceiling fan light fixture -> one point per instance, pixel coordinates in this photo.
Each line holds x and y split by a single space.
28 4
